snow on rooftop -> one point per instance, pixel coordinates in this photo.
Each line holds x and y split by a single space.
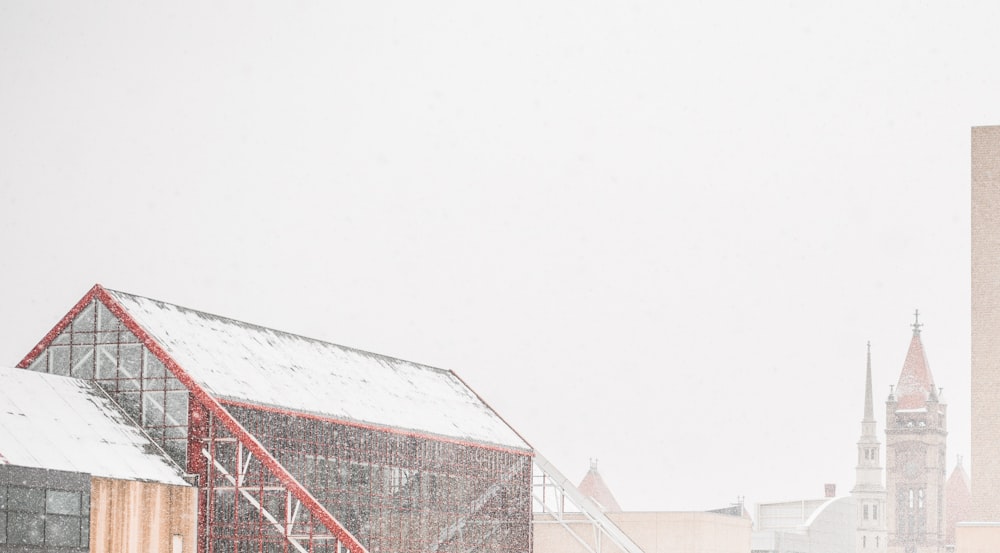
61 423
245 362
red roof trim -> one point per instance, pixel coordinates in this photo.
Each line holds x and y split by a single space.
60 326
231 424
387 429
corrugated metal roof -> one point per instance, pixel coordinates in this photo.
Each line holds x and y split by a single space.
61 423
244 362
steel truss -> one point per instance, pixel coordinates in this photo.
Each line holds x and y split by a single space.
244 506
557 500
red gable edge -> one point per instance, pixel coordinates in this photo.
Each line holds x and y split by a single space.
206 400
375 427
60 326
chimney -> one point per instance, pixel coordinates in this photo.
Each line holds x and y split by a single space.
831 490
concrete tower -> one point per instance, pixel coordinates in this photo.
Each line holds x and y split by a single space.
916 430
985 324
868 492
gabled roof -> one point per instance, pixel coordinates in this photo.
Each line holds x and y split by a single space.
594 487
915 384
61 423
244 363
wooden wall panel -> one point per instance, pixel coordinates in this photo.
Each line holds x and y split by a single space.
142 517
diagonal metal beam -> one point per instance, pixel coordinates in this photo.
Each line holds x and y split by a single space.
281 528
564 489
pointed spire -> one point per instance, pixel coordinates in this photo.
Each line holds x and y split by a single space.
869 406
915 385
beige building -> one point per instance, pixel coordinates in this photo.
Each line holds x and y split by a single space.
916 431
653 532
981 533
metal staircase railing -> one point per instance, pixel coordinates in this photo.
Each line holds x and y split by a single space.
551 491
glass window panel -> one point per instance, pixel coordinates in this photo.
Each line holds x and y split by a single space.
60 360
130 402
107 362
177 408
84 322
62 339
174 384
82 338
62 530
25 499
128 383
3 498
85 503
130 359
61 502
3 526
107 337
175 432
25 528
83 361
41 363
152 409
107 321
177 450
154 368
85 531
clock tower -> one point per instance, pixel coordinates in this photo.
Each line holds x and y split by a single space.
916 430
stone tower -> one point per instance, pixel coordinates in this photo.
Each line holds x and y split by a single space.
868 492
916 430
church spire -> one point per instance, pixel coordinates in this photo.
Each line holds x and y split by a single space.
868 474
869 406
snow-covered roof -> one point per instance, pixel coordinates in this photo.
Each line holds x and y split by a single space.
61 423
244 362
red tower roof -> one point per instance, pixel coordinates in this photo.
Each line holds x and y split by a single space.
596 490
958 500
915 384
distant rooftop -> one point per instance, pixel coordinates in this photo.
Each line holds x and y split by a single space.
594 487
61 423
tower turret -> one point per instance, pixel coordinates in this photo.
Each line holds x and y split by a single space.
915 455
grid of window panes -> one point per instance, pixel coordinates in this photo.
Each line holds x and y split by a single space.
400 493
44 517
96 346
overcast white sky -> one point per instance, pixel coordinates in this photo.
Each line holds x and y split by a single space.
654 233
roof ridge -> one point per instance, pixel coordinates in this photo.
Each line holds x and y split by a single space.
278 331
